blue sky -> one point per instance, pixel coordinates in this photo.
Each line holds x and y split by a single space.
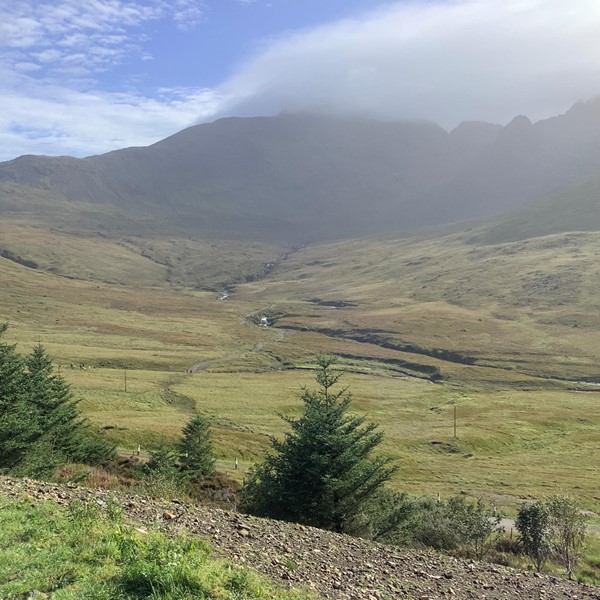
82 77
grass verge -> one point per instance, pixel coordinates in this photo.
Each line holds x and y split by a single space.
84 552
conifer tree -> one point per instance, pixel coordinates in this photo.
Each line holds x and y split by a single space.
196 453
52 412
40 425
16 429
51 397
322 473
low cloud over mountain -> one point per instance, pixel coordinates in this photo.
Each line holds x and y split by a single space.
305 177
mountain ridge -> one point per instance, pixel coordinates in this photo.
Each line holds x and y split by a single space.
304 177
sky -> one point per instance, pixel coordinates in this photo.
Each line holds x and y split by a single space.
82 77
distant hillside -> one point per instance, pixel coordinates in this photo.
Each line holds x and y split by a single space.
575 209
302 177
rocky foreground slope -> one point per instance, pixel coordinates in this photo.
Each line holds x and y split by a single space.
336 566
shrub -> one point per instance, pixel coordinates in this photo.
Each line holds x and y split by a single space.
567 529
534 527
457 524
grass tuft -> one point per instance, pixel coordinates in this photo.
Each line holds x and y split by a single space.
84 552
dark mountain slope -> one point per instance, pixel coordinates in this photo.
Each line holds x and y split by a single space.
289 175
305 177
525 163
575 209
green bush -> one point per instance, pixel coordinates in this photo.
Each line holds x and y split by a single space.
457 524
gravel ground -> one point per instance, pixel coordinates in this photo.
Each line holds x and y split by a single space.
335 566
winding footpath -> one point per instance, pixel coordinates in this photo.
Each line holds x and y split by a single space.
336 566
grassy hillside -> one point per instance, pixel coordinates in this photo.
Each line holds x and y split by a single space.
81 552
530 306
203 264
576 209
507 330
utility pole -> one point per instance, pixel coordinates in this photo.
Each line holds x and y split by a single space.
455 421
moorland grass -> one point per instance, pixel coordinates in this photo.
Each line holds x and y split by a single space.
513 307
510 443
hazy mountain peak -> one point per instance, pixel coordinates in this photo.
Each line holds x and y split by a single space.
476 126
305 177
519 123
475 135
587 108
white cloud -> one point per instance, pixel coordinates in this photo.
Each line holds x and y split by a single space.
39 118
52 53
443 61
188 13
35 30
26 66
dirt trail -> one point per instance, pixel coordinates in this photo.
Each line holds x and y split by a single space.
282 334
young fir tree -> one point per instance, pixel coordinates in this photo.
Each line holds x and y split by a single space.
322 473
16 429
64 435
196 453
52 411
39 422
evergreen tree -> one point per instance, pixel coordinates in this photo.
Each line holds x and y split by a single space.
322 472
52 413
40 427
16 429
51 399
196 453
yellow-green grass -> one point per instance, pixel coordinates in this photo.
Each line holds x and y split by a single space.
532 305
510 444
520 434
135 261
81 257
83 553
99 324
130 407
